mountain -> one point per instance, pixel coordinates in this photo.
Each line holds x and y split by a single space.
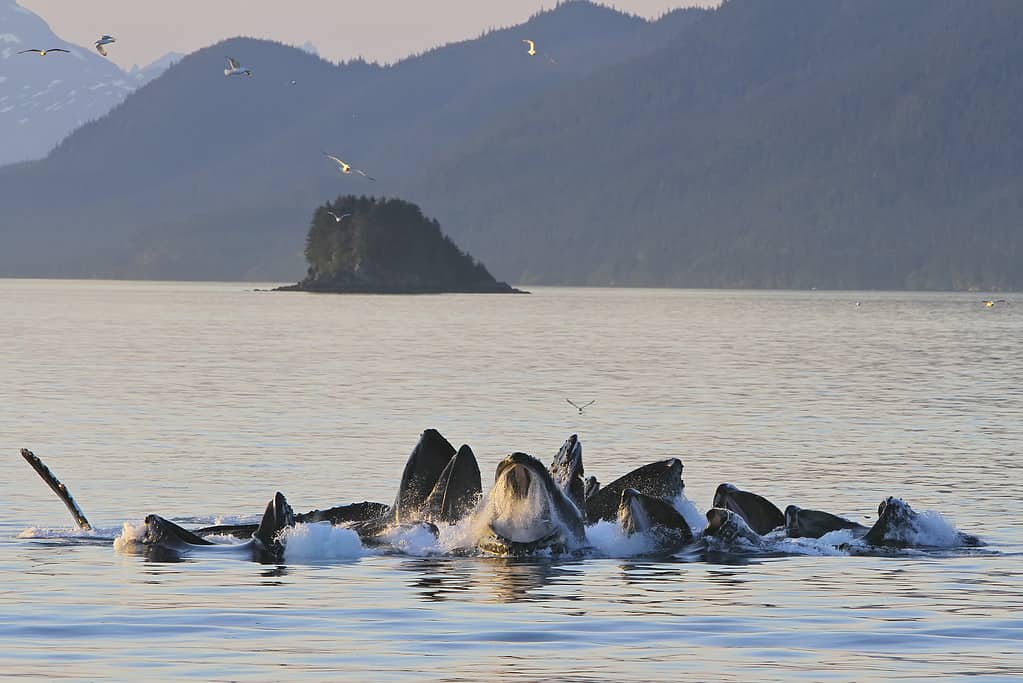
42 99
386 246
833 143
796 143
211 177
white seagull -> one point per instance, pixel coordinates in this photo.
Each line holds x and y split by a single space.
580 407
532 47
347 169
338 219
104 40
43 53
234 68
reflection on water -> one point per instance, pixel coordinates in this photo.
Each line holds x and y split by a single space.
199 400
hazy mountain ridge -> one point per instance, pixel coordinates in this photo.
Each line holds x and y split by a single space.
191 168
785 144
42 99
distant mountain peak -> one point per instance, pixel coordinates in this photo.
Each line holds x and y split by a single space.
43 100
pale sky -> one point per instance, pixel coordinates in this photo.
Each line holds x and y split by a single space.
378 30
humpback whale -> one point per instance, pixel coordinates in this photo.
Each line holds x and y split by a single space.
800 523
759 513
567 471
729 527
264 546
438 486
640 513
526 512
899 526
661 479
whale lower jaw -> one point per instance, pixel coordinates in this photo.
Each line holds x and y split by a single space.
496 544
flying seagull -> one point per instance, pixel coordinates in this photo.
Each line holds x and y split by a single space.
990 303
347 169
580 407
104 40
234 68
532 47
43 53
338 219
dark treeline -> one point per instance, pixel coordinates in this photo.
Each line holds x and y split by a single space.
365 244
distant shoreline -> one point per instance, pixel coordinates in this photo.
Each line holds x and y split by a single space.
300 287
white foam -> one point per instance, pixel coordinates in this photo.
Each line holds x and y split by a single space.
831 544
320 542
130 537
608 539
696 520
415 540
66 532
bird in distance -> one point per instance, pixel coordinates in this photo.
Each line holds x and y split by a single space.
104 40
580 407
234 68
346 168
43 53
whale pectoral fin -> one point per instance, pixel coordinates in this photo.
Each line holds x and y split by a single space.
51 480
277 517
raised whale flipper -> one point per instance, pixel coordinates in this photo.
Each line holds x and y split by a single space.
58 488
422 471
661 479
458 489
759 513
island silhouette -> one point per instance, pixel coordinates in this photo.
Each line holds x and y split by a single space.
367 245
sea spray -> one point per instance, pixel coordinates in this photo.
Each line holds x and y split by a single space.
320 542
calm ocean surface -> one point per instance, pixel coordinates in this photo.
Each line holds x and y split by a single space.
199 400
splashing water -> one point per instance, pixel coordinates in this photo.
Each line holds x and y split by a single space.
130 537
608 540
320 542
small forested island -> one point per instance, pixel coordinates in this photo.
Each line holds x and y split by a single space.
367 245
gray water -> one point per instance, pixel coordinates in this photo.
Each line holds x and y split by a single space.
198 401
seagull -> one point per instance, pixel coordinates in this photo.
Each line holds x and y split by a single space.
990 303
234 68
532 47
580 407
347 168
43 53
338 219
104 40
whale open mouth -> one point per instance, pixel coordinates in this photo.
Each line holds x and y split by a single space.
523 517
